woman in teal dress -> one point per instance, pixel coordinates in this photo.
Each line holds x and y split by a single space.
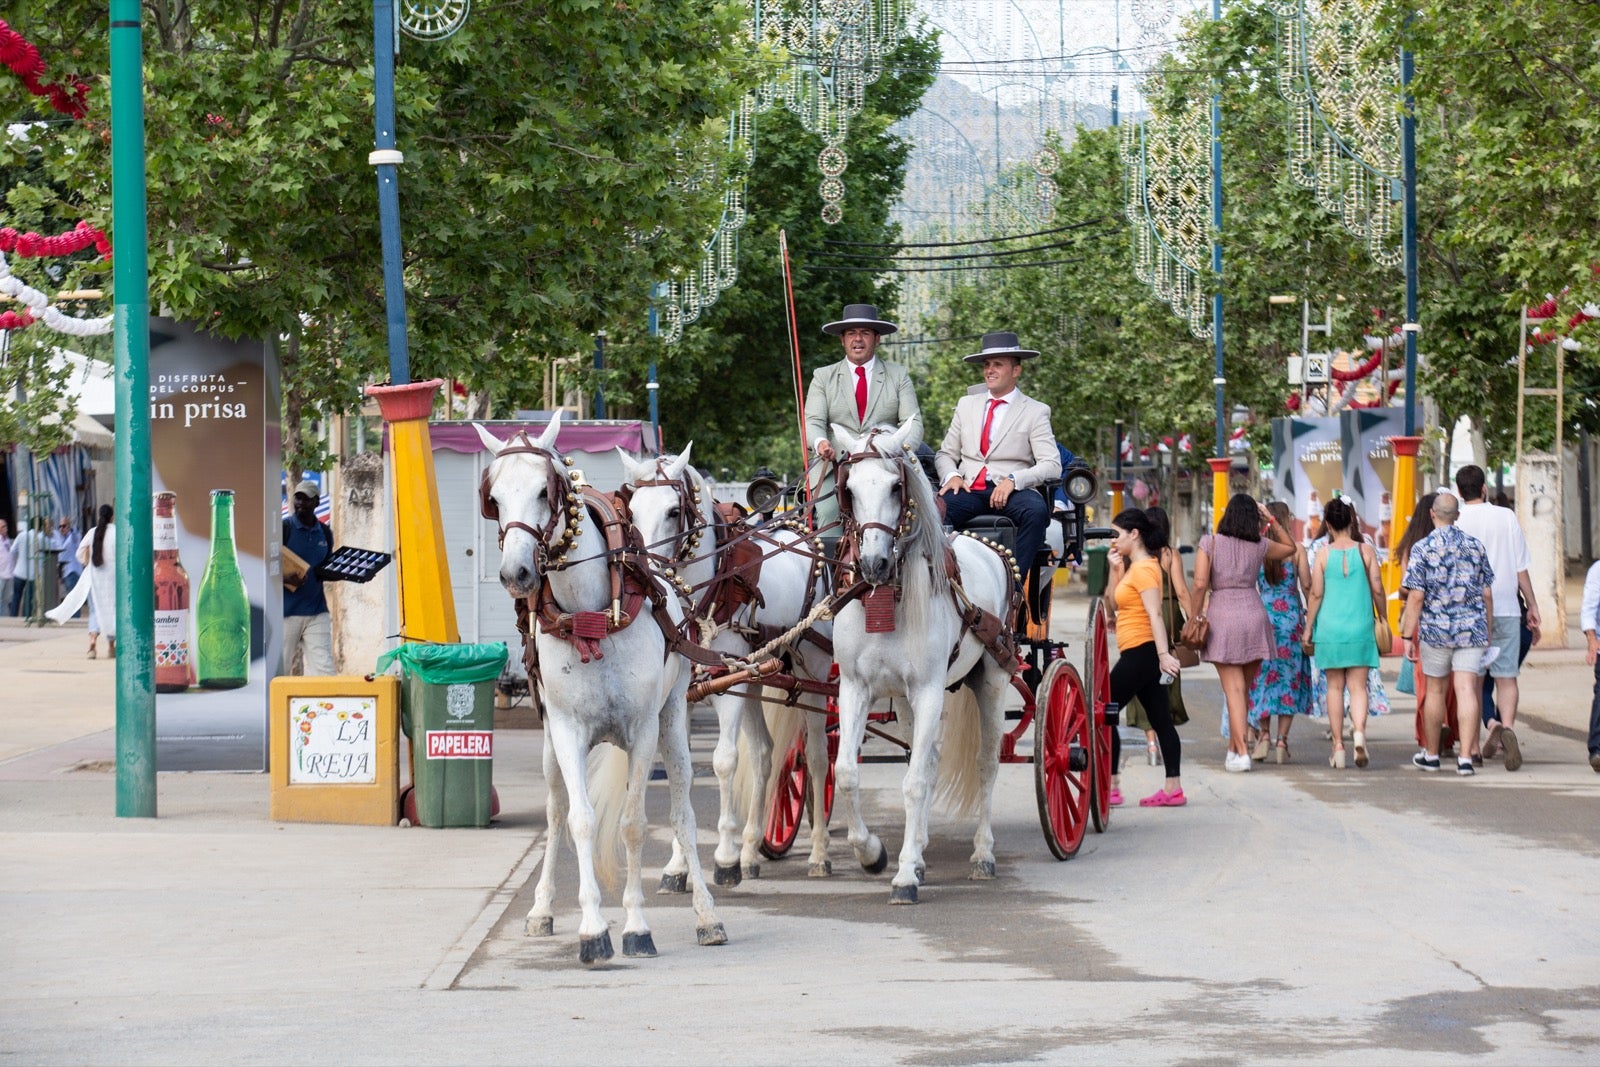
1346 596
1283 688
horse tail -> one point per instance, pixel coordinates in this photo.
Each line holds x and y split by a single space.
784 724
608 791
960 785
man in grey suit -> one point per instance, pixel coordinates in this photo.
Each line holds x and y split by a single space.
999 449
858 393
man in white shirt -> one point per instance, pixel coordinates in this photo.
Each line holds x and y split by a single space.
1507 548
27 555
1589 622
7 567
65 541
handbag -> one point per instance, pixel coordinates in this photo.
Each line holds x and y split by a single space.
1381 634
1194 633
1407 682
1172 616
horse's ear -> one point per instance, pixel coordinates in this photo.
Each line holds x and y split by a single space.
632 469
676 468
848 441
490 441
547 440
895 442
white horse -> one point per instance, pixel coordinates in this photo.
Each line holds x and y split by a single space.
898 641
598 681
671 506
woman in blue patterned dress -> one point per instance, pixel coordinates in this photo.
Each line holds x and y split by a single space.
1283 688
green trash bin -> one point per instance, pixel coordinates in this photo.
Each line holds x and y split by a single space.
447 712
1099 571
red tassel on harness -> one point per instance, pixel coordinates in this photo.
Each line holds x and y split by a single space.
879 604
591 625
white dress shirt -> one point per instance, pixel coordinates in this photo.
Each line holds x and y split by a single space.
1589 618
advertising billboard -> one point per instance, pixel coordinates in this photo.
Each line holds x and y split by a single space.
215 471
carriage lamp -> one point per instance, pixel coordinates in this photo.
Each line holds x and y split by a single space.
1080 485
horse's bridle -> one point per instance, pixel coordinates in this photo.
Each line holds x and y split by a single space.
908 507
688 504
558 495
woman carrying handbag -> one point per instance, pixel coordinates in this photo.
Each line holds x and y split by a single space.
1343 620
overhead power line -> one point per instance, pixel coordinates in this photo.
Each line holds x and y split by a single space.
979 241
1030 250
934 270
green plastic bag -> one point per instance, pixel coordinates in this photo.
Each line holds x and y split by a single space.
440 664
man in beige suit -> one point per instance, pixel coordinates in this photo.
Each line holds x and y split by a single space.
858 393
999 449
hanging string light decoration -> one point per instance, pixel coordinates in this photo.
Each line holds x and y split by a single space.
1340 76
1167 161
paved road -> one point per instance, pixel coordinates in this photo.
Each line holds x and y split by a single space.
1295 913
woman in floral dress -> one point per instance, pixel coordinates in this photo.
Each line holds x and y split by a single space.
1283 688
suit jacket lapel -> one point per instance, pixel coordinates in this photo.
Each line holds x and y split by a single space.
877 388
1013 419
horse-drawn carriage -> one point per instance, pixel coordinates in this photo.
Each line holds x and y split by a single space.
948 626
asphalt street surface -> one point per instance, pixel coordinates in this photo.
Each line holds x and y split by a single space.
1293 914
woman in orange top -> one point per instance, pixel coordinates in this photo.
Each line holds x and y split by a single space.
1146 657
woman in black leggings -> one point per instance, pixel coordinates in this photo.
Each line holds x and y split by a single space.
1144 644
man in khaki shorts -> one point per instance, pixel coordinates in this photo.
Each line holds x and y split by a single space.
1446 627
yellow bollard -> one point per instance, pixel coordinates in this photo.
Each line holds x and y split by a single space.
1117 485
427 606
1219 488
1404 497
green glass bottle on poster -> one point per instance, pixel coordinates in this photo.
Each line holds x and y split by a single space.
222 609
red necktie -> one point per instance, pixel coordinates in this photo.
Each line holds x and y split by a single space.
980 482
861 394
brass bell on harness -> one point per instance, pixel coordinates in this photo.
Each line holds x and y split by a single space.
567 460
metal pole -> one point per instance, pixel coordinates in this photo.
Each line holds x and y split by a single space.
652 386
599 365
1408 182
136 691
1217 378
386 158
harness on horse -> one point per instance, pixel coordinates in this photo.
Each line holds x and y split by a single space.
994 634
632 582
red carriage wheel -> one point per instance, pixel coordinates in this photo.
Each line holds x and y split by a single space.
1061 758
788 805
1097 664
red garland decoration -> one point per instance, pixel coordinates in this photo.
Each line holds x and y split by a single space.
15 320
31 245
23 59
1357 372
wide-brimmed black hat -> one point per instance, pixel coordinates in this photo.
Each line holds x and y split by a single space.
1000 344
863 315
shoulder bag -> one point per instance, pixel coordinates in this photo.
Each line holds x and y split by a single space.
1172 617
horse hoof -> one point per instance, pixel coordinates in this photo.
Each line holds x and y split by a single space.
879 865
903 894
638 944
922 873
820 870
711 935
751 870
983 870
674 883
543 926
595 949
728 875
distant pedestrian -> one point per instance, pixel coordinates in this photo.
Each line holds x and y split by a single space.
1446 627
27 554
1589 621
65 542
1346 599
1145 660
1175 608
1226 567
1282 687
96 584
7 568
1507 550
307 624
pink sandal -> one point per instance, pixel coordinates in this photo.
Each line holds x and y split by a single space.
1163 799
1114 798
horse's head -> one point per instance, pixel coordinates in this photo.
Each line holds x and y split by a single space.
664 502
527 491
879 496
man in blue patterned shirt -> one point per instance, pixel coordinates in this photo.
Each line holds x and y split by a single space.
1446 627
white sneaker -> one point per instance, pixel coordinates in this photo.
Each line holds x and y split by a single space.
1236 762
